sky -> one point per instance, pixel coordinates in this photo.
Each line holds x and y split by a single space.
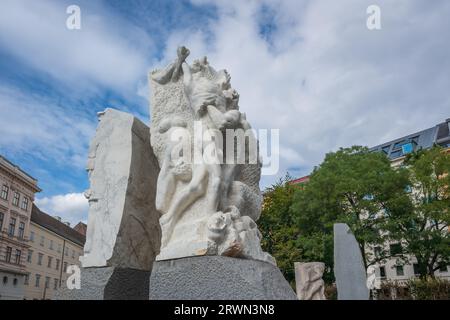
310 68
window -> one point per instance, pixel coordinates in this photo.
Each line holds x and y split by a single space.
18 255
12 227
5 280
59 248
15 281
8 254
40 255
73 254
32 236
2 216
407 148
377 251
27 279
42 241
47 282
57 264
395 248
49 263
51 245
66 251
30 256
16 199
65 267
416 269
38 280
25 202
399 270
55 284
21 229
5 191
383 272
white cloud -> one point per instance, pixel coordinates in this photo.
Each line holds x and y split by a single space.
32 124
106 50
323 78
71 207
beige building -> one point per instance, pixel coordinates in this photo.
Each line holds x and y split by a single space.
17 190
54 246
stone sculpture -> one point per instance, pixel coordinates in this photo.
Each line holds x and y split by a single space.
123 233
123 227
309 283
349 268
208 187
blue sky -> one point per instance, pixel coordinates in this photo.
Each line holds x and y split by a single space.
309 68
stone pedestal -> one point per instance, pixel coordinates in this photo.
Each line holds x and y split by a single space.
108 283
218 278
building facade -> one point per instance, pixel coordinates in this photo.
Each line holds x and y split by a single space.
54 246
16 198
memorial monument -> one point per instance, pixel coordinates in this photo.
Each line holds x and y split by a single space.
173 207
349 268
208 190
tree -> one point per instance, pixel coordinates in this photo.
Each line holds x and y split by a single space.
279 233
423 229
352 186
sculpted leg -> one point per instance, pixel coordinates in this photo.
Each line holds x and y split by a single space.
184 199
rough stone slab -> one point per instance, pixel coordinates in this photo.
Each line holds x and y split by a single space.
123 228
109 283
218 278
348 265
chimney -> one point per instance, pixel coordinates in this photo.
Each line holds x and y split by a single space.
58 218
67 223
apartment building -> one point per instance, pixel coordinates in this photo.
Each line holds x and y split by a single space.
54 246
17 191
397 150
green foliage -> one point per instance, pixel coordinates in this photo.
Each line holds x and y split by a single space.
427 288
423 225
351 186
279 233
409 204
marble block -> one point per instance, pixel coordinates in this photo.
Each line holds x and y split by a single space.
123 229
349 268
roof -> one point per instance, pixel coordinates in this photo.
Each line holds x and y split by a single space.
48 222
15 169
425 139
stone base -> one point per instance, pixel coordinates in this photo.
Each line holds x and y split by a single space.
218 278
108 283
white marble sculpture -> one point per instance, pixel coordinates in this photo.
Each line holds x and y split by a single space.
209 205
123 229
309 283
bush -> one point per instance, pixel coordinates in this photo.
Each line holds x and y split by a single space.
417 289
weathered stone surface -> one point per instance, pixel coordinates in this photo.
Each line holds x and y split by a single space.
218 277
108 283
309 283
349 268
209 200
123 228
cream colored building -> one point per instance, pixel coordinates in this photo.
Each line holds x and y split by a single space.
17 190
54 246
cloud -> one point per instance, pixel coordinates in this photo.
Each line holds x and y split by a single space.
107 51
321 77
35 124
71 207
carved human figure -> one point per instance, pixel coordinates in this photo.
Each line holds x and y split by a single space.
310 285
